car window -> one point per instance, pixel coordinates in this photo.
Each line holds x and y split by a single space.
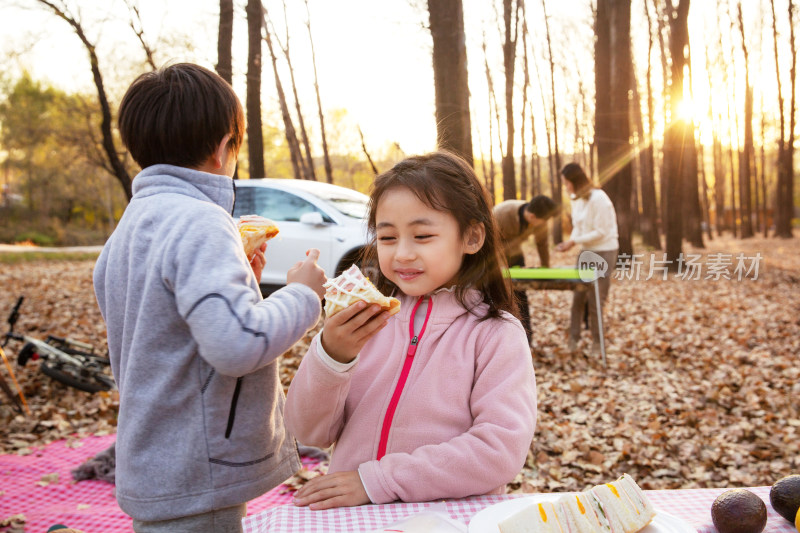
350 203
274 204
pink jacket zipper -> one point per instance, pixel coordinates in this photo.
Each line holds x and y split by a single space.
412 349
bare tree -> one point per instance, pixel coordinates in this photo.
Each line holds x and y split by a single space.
693 218
255 136
745 169
288 124
676 135
366 153
326 156
614 80
510 34
453 129
555 181
224 41
115 164
492 105
306 166
784 199
523 168
138 30
649 221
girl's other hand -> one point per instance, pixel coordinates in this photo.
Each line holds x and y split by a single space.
346 332
342 489
258 261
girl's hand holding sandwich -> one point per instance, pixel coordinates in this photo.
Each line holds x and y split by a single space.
346 332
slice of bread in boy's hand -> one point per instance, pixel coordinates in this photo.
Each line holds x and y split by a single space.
351 286
255 230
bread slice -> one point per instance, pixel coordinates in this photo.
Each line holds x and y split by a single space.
580 514
351 286
538 517
255 230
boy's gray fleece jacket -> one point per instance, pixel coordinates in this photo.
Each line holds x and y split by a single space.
193 348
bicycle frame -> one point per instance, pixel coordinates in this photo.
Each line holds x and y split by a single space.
71 362
45 349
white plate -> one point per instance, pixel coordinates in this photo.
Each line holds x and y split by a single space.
486 520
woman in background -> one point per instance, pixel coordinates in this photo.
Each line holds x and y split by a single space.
594 229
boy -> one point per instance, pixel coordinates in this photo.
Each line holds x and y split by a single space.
193 346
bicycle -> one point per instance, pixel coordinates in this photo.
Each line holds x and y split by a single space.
68 361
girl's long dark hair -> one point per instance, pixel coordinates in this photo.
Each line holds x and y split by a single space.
446 182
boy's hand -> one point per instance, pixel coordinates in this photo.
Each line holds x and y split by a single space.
258 261
308 273
346 332
342 489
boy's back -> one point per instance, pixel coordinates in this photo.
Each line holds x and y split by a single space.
193 348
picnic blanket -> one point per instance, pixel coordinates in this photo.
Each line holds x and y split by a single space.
40 486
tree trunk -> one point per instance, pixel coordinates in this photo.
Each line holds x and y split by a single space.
255 138
719 186
453 129
224 40
785 188
536 162
745 169
613 80
558 232
523 169
109 147
650 234
663 181
675 138
492 102
693 221
510 16
289 131
328 166
704 190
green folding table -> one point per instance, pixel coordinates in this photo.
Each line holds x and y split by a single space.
561 279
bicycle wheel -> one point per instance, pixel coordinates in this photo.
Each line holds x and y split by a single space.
81 379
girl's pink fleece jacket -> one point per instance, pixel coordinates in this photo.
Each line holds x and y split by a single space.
460 425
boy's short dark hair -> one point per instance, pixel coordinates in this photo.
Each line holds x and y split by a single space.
178 115
542 206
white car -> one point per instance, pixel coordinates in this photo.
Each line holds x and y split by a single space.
309 214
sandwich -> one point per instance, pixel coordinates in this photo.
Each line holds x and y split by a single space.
255 230
616 507
351 286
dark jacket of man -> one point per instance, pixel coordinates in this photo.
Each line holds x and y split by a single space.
515 230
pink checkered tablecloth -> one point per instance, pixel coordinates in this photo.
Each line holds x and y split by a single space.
40 487
692 506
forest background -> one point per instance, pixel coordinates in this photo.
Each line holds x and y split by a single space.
684 114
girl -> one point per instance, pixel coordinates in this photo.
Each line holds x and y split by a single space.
439 402
594 228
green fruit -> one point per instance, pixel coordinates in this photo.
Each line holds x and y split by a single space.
785 496
739 511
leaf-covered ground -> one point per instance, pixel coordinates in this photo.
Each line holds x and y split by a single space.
702 387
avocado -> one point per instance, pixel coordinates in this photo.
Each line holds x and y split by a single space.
739 511
785 496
